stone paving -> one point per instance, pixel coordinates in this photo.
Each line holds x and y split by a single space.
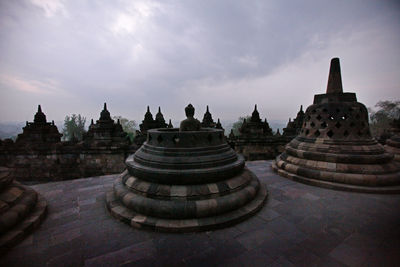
300 225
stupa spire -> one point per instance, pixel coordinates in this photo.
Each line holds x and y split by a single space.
105 114
335 78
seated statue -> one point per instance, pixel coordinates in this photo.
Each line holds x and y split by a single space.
190 123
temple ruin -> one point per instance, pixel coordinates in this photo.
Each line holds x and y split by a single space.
335 148
39 155
256 140
185 179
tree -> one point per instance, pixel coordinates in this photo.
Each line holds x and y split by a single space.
236 125
74 126
129 126
381 119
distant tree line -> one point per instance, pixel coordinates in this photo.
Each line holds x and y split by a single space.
381 118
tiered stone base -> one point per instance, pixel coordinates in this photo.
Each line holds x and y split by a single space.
350 166
393 146
21 211
185 208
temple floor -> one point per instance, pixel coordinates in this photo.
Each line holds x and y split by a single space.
299 225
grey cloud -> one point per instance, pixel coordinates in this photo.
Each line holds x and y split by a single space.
135 53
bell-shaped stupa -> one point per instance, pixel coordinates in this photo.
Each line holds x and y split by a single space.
185 179
335 148
21 210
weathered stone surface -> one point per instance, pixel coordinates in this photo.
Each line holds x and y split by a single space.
393 143
186 179
21 210
299 225
38 155
335 149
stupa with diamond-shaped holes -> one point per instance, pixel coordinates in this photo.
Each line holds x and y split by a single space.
335 148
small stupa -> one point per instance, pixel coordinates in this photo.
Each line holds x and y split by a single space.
335 148
293 127
185 179
150 123
106 132
39 131
21 210
393 143
255 128
208 121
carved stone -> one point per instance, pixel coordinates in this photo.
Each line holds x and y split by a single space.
21 210
335 149
186 179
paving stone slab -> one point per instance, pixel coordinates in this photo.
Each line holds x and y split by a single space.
339 229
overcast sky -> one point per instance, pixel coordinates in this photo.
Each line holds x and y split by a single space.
72 56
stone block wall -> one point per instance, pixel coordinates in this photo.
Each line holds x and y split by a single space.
62 162
261 149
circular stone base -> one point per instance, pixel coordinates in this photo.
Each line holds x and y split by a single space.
119 211
25 226
336 186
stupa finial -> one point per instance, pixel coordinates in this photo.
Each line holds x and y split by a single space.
335 78
39 108
105 106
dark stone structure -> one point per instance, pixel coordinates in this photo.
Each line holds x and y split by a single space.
335 149
21 210
186 179
106 132
293 127
170 124
150 123
256 140
39 131
393 143
190 123
208 121
39 155
255 128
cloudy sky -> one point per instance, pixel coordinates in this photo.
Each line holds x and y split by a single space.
71 56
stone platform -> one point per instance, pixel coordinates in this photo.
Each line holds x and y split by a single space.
300 225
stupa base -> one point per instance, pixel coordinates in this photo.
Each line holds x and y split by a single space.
336 186
134 219
30 222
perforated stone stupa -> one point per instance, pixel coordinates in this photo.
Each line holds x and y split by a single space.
185 179
21 210
335 149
